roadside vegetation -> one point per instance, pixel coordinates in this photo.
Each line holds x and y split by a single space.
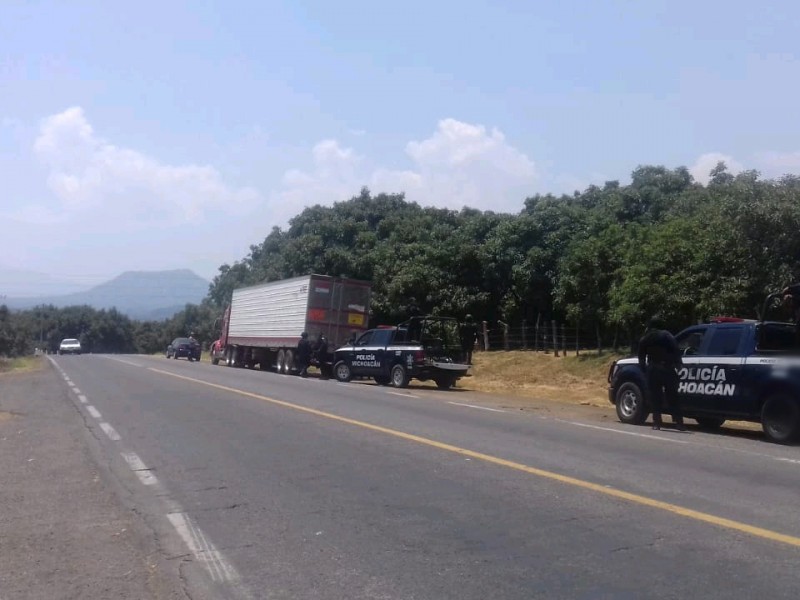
20 364
601 261
534 375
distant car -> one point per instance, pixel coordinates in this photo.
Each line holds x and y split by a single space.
184 348
69 346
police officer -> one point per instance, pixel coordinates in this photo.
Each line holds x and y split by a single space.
414 322
791 300
659 358
303 354
321 354
468 332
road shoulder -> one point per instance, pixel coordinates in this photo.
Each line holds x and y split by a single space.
64 529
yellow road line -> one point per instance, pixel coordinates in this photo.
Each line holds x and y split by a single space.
588 485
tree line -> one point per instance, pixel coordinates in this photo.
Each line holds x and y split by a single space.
603 260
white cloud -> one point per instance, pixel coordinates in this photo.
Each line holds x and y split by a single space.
460 164
776 164
87 172
701 170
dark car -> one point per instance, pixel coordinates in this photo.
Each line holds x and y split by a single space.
184 348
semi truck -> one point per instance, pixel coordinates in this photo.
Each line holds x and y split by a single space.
263 323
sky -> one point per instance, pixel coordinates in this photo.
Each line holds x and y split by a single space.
163 135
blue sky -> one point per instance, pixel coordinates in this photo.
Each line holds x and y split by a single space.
155 135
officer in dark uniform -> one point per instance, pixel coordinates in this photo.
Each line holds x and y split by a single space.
791 300
321 354
468 332
659 358
414 323
303 354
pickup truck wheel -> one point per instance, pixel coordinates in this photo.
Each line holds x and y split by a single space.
399 376
279 362
342 372
780 418
288 362
383 379
709 423
630 403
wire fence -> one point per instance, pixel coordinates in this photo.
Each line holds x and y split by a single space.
549 337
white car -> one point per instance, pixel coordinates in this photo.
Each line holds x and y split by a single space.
69 346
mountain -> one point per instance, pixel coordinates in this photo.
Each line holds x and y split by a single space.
15 283
141 295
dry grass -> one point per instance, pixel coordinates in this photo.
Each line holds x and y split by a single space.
572 379
16 365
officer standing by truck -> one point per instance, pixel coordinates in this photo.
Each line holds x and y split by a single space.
303 354
659 357
468 332
321 355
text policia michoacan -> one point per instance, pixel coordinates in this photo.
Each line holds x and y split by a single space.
710 381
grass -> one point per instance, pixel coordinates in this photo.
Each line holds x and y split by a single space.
572 379
23 363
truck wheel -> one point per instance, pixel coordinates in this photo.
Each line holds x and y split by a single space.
229 357
630 403
445 383
288 362
399 376
382 380
780 418
341 370
279 362
709 423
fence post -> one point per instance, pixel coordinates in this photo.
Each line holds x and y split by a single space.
577 335
524 336
536 333
505 334
485 336
564 339
555 338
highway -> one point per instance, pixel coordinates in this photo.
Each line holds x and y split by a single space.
272 486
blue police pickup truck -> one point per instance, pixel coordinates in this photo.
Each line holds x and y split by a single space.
733 369
423 348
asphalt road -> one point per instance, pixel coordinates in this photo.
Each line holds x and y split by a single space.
278 487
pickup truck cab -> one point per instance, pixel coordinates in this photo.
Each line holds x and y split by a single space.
733 369
423 348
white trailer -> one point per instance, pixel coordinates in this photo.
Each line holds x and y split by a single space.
262 324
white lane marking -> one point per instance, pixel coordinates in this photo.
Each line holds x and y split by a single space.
794 461
110 431
137 466
404 395
76 390
202 548
83 399
72 385
122 360
93 411
644 435
478 407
